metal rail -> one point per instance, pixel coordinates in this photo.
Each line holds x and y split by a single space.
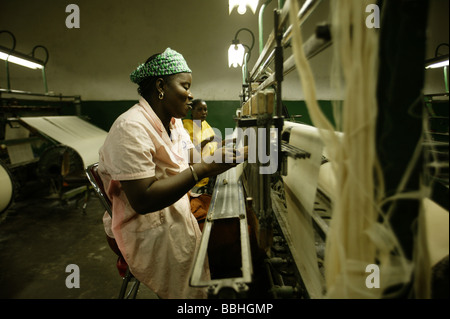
227 202
267 53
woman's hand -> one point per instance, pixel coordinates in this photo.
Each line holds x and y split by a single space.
150 194
225 142
223 159
206 141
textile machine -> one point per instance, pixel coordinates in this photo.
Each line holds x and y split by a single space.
281 202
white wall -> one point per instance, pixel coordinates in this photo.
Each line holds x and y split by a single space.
115 36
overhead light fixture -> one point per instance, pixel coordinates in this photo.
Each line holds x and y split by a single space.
242 5
20 59
236 51
10 55
438 62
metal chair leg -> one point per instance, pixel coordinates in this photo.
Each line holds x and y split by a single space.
134 289
125 282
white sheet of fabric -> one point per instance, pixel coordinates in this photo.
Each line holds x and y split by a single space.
72 131
300 190
303 173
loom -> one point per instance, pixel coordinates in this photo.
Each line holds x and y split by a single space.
293 205
71 144
38 143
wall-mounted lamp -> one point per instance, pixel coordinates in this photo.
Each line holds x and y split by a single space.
21 59
242 5
438 62
237 55
236 52
10 55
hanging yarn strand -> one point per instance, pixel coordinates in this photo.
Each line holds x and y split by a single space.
349 250
355 238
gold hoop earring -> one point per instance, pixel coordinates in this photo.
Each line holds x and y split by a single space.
161 95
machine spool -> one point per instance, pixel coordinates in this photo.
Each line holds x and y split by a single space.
7 189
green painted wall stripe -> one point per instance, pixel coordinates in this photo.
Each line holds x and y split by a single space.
220 113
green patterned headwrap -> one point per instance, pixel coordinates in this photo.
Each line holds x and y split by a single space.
167 63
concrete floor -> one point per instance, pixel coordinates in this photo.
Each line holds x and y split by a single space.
40 236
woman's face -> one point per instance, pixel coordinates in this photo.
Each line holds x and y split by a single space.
177 94
200 111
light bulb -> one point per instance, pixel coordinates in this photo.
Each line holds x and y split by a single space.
236 55
242 8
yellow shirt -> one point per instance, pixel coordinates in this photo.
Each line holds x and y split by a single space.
199 134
